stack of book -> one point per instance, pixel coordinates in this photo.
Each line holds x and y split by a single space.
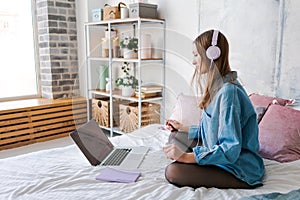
149 91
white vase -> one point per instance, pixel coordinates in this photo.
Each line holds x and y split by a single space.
127 91
129 53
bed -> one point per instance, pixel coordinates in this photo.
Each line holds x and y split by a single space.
64 173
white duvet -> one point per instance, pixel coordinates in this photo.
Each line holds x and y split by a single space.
64 173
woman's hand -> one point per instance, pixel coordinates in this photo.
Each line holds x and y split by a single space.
174 153
173 125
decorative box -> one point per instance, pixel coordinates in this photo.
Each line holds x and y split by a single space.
143 10
129 115
112 12
97 15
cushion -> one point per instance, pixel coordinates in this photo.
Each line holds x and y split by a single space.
186 110
279 134
261 103
260 111
265 101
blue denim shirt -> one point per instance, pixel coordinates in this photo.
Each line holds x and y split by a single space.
229 133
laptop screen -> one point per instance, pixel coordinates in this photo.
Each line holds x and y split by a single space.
93 142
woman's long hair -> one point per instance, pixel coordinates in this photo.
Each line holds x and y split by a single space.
217 69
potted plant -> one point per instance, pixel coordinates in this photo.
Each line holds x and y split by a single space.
127 81
130 47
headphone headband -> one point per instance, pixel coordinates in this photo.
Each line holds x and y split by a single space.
214 39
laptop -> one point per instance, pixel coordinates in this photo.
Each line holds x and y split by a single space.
98 149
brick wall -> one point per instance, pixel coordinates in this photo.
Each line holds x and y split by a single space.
57 41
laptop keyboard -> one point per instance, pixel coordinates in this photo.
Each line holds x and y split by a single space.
117 157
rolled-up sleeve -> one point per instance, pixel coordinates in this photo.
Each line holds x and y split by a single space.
193 132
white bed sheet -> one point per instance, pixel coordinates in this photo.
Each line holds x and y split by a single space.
64 173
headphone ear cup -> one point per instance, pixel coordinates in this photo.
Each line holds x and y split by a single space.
213 52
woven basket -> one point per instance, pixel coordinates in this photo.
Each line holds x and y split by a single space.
129 119
101 110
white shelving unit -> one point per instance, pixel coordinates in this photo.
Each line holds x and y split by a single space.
94 31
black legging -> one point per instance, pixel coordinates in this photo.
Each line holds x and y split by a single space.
194 175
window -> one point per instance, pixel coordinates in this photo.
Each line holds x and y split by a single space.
18 71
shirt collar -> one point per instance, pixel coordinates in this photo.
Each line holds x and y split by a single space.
231 76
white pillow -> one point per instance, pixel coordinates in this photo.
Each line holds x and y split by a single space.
186 110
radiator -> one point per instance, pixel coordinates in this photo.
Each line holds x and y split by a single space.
40 120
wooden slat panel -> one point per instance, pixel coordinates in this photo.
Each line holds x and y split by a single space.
40 124
52 115
63 130
57 114
16 133
13 115
60 129
49 120
14 127
52 137
14 121
56 120
67 129
53 126
57 109
15 139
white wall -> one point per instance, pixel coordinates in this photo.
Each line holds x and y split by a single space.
263 36
251 28
289 71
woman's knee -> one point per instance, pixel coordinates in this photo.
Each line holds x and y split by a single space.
171 172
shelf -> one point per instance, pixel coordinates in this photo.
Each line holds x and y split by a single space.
117 130
117 94
155 60
159 60
94 30
114 129
124 21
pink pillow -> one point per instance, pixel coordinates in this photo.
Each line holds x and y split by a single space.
279 134
265 101
186 110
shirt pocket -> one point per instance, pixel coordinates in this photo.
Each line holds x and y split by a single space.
206 114
206 123
210 127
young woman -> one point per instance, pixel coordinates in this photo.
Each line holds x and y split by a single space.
226 155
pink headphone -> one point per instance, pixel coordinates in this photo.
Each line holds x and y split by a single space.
213 52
